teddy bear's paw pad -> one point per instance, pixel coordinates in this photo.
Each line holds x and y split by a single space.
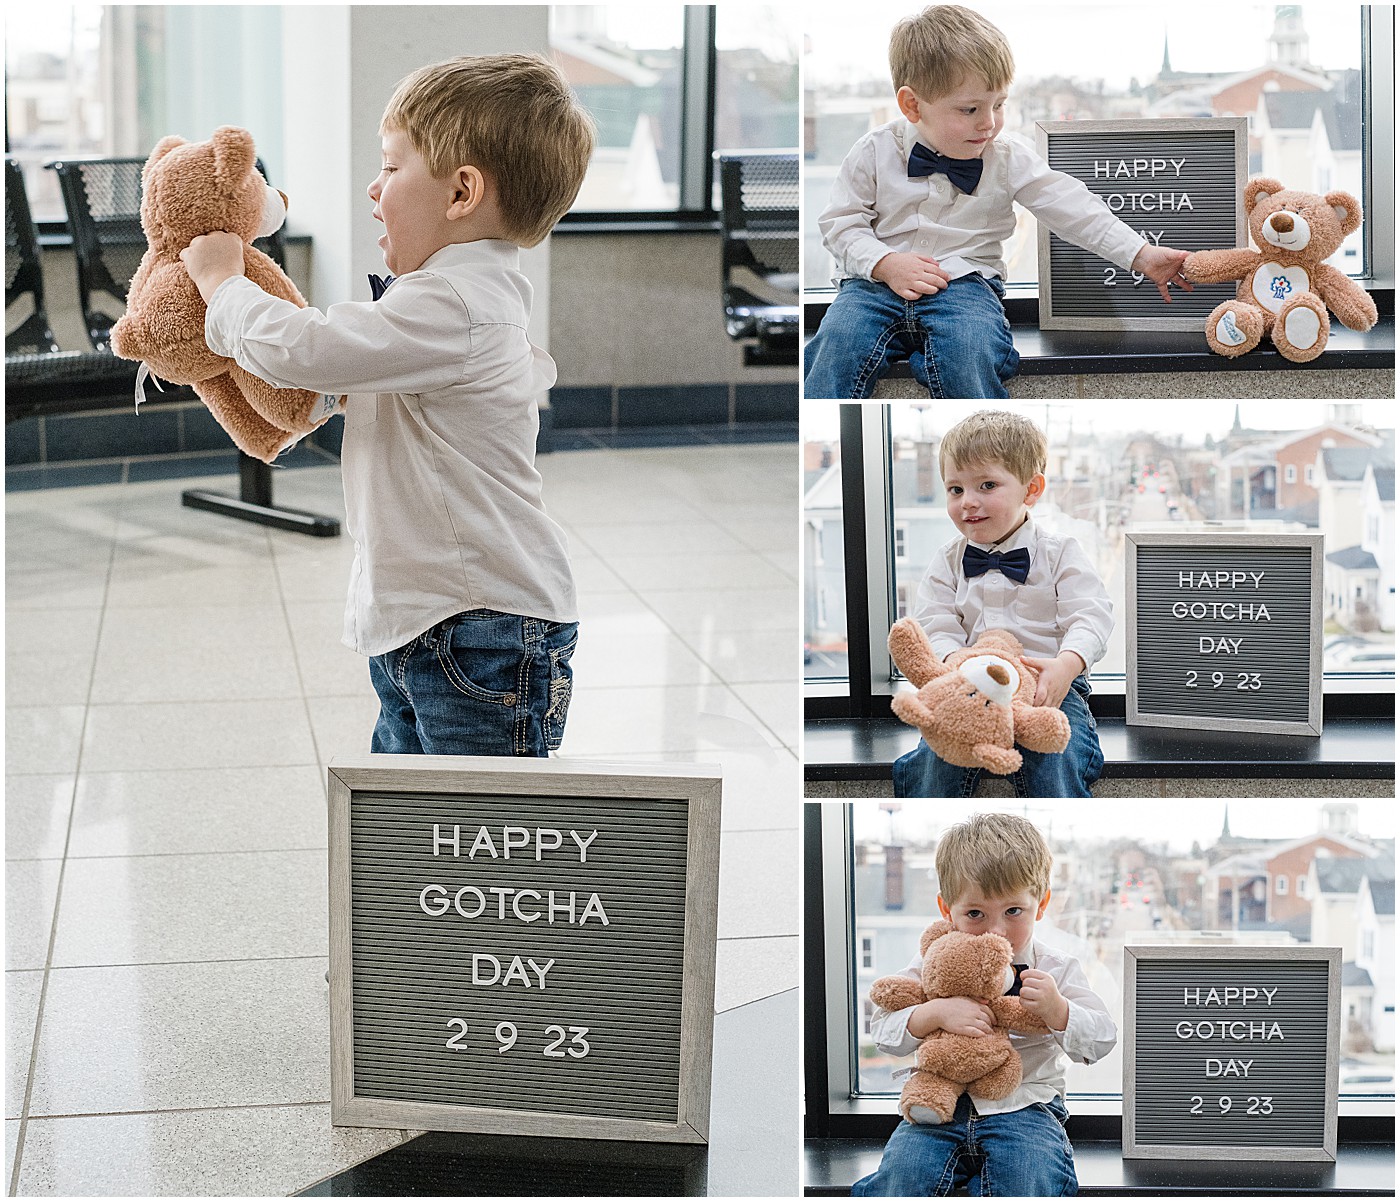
925 1116
1302 328
1228 333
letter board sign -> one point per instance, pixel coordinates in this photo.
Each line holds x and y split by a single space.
523 946
1177 182
1225 631
1230 1053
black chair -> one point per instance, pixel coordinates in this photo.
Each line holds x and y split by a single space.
39 377
758 215
103 200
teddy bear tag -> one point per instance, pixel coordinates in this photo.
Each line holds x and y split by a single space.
1274 284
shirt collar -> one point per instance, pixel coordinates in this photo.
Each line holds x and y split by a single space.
494 252
1023 536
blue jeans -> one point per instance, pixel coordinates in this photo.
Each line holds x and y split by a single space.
478 683
1069 774
1022 1154
958 341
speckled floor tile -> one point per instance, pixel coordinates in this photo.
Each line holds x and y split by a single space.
682 571
743 657
749 969
201 1153
728 610
623 721
199 810
210 734
22 991
31 889
36 815
224 906
758 875
41 738
48 654
326 665
658 538
179 1036
343 725
778 705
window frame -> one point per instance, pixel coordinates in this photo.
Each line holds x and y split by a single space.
833 1107
867 518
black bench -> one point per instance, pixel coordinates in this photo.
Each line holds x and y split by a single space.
102 198
758 221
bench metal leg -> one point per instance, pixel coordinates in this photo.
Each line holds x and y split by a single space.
254 503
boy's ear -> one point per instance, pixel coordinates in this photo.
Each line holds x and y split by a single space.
1035 488
943 908
908 103
468 189
1040 910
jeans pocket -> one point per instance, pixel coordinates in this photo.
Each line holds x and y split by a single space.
561 691
482 654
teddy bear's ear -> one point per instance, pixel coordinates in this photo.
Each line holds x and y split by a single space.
1263 187
935 930
1347 208
162 148
233 155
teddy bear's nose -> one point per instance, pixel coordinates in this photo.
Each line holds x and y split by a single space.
1282 222
998 673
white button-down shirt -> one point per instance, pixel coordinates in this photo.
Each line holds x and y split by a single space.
1089 1035
438 459
876 209
1062 606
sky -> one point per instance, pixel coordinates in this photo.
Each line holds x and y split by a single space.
1188 417
1176 823
1111 41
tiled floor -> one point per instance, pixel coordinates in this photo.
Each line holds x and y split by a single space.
176 688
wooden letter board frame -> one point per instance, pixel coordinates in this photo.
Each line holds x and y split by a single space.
1235 129
1327 1149
1308 539
697 785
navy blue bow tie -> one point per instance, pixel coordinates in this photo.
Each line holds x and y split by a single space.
1015 990
377 286
1014 565
964 174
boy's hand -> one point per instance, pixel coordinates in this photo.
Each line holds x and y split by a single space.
1042 997
1056 675
958 1015
211 259
1162 266
909 275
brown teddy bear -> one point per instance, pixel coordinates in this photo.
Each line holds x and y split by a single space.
975 706
957 964
188 189
1285 287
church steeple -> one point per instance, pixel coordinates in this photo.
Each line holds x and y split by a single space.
1166 56
1225 829
1288 44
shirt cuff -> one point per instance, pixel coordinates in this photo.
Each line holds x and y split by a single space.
223 318
1075 1035
1086 646
1123 247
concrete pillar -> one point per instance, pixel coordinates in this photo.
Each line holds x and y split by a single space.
340 64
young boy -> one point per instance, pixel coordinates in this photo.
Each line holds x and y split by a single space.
994 876
1006 573
460 594
919 213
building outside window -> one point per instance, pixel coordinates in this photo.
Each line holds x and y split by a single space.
1295 71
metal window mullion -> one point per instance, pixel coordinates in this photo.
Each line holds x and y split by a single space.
697 108
853 544
879 545
839 911
1378 147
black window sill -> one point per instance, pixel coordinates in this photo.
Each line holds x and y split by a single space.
1098 352
831 1166
1349 748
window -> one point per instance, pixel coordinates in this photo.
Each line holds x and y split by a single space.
1302 886
823 558
666 83
1308 471
1107 475
1120 876
1296 71
1281 885
1290 473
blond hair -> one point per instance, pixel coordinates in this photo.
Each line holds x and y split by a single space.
934 51
1001 853
994 436
511 116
